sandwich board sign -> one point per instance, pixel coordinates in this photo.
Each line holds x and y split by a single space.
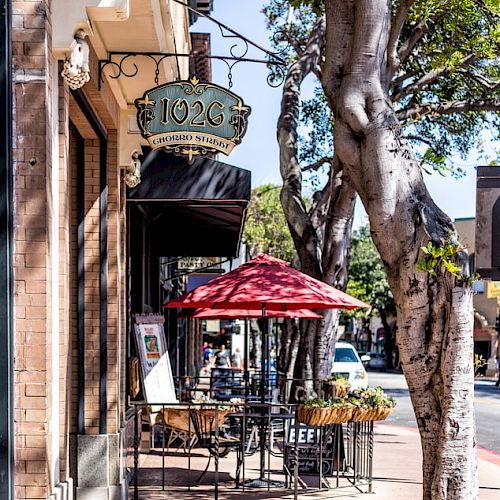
158 382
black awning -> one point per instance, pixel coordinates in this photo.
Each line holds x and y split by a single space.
192 209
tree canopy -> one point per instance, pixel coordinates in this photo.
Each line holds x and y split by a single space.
367 278
266 229
442 71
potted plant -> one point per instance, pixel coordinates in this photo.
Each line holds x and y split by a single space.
370 404
324 412
336 386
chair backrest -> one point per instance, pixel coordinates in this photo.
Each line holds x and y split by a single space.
205 421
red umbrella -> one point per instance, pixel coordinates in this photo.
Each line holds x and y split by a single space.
273 285
251 313
269 283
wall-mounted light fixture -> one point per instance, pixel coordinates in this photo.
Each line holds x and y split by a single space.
76 71
132 176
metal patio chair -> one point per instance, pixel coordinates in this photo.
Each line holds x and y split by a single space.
208 426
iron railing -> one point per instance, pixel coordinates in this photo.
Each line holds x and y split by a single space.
330 453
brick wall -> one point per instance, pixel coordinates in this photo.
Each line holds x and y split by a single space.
64 278
115 331
34 244
92 298
73 248
32 219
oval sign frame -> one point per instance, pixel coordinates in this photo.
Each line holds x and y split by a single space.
192 118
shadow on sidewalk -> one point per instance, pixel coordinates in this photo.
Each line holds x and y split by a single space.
395 480
176 476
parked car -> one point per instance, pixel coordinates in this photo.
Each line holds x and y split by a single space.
348 364
377 361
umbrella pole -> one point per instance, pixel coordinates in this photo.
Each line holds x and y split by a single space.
263 357
263 373
245 360
262 481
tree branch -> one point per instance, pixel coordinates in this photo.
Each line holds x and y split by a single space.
431 77
301 227
447 108
407 46
397 25
398 82
317 164
482 80
294 42
416 35
418 138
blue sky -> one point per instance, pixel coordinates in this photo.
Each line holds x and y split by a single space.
259 150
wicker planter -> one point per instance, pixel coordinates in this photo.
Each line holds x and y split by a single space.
333 390
323 416
371 414
178 417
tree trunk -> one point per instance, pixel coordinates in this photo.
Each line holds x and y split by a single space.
434 315
288 352
389 339
322 237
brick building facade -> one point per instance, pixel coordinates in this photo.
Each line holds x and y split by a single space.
70 148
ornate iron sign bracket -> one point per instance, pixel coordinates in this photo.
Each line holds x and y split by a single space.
124 65
120 60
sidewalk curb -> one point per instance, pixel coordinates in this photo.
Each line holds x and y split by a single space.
483 453
488 455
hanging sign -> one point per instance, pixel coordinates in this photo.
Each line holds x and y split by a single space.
192 118
210 264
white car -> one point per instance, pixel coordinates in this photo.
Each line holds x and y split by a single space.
348 364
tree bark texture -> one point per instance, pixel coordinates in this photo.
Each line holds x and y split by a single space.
321 236
434 314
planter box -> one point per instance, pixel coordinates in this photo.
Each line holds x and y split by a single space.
371 414
323 416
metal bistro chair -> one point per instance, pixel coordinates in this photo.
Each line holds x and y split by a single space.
214 438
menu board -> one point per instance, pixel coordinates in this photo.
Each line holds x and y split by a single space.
308 442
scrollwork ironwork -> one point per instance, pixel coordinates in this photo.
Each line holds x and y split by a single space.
238 53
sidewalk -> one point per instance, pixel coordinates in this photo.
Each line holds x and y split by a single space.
396 474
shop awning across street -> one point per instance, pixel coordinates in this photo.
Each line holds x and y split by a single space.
195 209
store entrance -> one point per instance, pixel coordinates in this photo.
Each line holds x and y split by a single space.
182 217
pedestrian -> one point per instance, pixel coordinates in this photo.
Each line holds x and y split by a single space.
222 358
207 352
272 367
237 360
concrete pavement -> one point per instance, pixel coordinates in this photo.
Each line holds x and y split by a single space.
397 476
486 405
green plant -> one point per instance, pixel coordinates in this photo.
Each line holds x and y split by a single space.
441 257
373 397
328 403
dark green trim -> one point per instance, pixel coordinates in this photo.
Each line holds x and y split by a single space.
6 327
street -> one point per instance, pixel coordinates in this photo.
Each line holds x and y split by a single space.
487 406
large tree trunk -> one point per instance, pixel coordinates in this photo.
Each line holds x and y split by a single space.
321 237
389 341
434 315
